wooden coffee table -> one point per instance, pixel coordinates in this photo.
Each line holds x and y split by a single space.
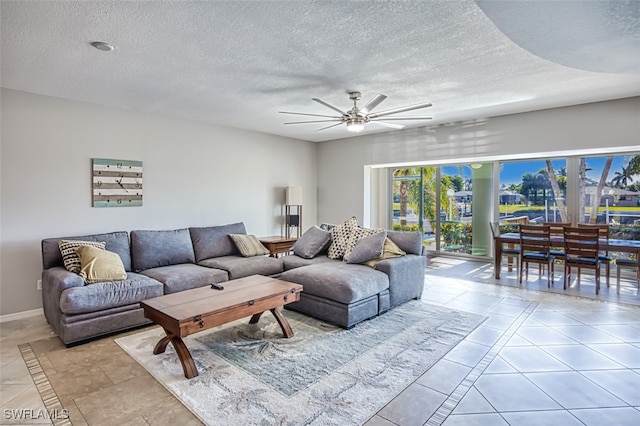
191 311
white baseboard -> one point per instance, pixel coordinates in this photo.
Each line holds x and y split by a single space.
21 315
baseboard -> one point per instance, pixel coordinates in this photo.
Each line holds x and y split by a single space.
21 315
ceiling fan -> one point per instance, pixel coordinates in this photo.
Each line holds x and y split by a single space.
356 117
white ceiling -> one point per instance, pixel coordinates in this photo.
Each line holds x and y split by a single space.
237 63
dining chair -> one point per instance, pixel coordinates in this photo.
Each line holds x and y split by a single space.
603 257
582 248
534 248
556 230
508 250
627 263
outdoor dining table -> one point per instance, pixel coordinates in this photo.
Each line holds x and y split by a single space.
614 245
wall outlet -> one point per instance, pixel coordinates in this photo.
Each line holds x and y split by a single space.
39 285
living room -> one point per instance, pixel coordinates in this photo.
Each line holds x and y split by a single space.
199 173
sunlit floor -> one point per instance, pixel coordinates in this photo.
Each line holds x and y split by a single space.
542 356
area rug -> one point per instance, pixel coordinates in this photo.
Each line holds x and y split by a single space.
249 374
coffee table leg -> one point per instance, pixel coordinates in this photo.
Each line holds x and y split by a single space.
188 366
255 318
284 324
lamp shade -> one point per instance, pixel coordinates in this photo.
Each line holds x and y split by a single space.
294 196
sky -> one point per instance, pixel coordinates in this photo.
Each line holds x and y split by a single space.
512 172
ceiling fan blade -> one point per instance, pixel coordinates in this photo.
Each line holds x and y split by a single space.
392 125
402 118
401 109
311 115
320 101
315 121
328 127
373 103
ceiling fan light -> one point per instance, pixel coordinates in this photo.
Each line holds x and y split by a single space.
355 125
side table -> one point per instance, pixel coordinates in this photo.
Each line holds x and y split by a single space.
277 245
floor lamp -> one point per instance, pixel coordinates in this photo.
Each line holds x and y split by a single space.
293 212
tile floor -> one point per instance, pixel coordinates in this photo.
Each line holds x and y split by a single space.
543 356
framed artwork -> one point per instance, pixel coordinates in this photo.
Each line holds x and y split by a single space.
116 183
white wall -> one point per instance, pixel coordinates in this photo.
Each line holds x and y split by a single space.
599 127
194 175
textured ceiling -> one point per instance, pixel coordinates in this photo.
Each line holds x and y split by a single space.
237 63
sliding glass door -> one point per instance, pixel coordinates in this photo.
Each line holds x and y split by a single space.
451 205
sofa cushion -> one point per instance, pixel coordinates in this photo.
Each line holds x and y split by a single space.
239 267
70 257
248 245
368 248
295 261
214 241
340 235
185 276
357 235
313 242
152 249
338 281
109 294
389 251
409 242
117 242
100 265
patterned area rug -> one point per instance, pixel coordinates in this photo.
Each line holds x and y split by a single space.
251 375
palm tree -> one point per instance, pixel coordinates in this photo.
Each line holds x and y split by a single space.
623 178
595 201
558 195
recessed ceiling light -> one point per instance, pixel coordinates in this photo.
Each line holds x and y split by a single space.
100 45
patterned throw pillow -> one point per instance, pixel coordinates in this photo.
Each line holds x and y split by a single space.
70 257
340 235
100 265
357 235
249 245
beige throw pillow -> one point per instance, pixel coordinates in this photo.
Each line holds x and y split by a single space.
390 250
70 257
249 245
100 265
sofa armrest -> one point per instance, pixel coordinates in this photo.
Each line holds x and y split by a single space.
54 281
59 279
406 277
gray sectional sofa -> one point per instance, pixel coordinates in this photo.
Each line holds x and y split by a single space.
162 262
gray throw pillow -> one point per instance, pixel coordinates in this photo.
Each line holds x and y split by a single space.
368 248
312 242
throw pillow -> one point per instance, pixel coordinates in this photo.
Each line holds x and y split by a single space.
70 257
340 235
368 248
100 265
390 250
312 242
357 235
249 245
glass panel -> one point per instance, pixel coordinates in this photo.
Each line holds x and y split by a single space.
456 197
533 191
610 193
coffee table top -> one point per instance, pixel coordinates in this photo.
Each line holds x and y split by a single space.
184 305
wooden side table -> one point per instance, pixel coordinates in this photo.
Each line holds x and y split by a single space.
278 245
